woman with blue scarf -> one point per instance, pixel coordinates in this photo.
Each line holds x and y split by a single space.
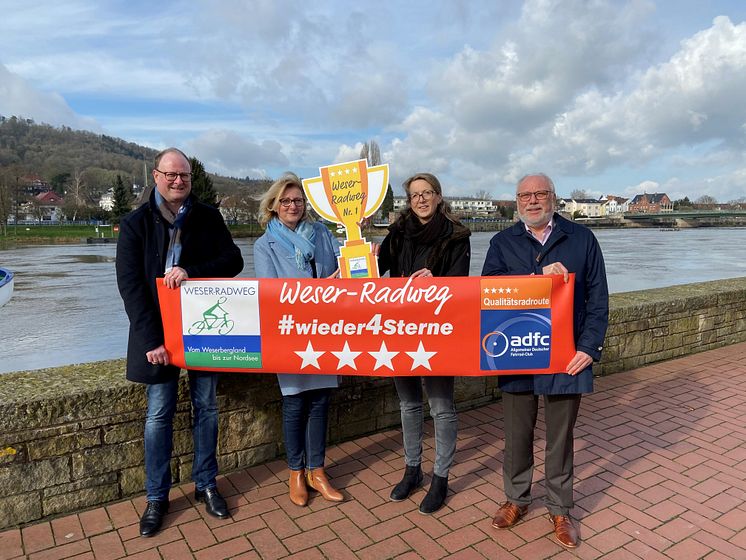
295 247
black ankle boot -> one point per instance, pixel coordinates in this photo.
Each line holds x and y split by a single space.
435 496
411 481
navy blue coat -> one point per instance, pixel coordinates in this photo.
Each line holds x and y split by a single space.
207 251
513 252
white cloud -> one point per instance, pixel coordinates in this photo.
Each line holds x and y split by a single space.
19 98
227 153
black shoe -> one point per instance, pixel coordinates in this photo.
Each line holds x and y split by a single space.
409 483
152 517
214 502
435 496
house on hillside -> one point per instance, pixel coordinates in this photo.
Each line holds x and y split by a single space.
650 203
45 207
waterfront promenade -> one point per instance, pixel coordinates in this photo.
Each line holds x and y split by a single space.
660 474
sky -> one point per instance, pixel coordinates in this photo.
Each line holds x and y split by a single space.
609 97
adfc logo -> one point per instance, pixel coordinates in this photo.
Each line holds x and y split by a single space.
515 323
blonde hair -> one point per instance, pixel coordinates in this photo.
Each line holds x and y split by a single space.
270 202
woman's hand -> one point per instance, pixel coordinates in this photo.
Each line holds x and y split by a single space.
334 274
422 273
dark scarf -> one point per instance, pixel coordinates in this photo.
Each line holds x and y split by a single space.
417 235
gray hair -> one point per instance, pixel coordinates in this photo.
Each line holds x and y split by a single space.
542 175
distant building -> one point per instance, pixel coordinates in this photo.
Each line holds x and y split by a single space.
467 207
615 204
585 207
650 203
107 200
44 207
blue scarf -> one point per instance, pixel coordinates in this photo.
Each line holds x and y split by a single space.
301 242
175 223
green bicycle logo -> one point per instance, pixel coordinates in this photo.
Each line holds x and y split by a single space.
213 319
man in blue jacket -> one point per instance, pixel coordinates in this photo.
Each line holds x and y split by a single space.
176 237
544 242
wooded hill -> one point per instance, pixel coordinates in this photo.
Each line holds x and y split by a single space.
64 157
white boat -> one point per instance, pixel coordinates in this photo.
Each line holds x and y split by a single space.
6 285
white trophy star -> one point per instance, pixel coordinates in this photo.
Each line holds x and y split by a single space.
383 357
346 357
421 357
310 356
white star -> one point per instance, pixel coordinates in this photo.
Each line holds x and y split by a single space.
486 290
383 357
346 357
347 171
310 356
507 290
515 290
494 290
421 357
501 290
331 174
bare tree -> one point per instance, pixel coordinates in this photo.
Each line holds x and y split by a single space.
371 152
579 194
706 199
482 195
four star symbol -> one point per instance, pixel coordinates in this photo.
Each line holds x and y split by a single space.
384 357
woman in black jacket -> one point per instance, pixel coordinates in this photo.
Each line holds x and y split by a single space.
426 240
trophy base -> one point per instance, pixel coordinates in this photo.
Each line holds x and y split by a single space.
357 260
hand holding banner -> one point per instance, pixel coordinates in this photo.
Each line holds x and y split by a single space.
376 327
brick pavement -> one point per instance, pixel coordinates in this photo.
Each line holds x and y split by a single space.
660 474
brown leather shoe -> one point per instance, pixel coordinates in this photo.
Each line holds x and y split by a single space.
564 531
508 515
298 489
316 479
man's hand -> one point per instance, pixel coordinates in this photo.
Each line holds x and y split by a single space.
557 268
174 277
580 361
158 356
422 273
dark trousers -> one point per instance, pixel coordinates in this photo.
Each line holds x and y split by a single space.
560 413
304 421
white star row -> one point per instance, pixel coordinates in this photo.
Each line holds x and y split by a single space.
348 171
384 357
500 290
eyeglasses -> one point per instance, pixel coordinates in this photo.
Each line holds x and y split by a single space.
171 176
424 195
526 196
286 202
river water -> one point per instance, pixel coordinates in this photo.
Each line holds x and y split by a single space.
66 308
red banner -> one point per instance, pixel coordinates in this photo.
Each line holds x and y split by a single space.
375 327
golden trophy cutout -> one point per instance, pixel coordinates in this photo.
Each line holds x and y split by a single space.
345 193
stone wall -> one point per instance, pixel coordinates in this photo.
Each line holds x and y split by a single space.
71 438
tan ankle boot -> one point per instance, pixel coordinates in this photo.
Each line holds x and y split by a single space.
317 480
298 490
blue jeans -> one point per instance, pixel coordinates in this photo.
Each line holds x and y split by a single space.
159 431
440 396
304 421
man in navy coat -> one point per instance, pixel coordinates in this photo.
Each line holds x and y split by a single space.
543 242
176 237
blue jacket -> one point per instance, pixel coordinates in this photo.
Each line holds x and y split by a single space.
273 260
513 252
